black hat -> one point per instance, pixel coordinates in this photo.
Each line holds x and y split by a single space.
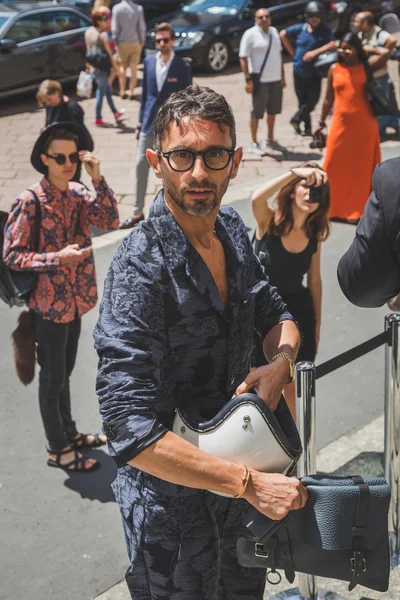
85 142
314 8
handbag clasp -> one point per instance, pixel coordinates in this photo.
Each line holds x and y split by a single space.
358 563
260 551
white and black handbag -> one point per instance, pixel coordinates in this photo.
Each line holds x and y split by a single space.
245 431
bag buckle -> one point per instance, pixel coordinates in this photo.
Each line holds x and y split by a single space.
358 563
260 551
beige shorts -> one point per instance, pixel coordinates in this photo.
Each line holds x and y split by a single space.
129 53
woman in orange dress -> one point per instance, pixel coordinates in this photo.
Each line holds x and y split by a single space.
352 149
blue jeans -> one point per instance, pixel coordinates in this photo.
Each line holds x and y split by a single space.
103 89
387 120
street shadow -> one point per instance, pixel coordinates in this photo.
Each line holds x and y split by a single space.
290 155
232 69
16 105
95 485
123 128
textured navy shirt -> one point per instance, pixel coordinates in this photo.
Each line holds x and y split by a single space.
305 41
163 335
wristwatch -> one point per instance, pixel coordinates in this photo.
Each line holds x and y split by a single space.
290 361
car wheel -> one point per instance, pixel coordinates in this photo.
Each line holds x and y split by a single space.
217 56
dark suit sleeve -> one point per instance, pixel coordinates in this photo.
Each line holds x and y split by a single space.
144 93
189 75
77 114
369 273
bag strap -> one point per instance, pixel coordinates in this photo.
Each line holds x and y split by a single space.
38 212
358 563
266 55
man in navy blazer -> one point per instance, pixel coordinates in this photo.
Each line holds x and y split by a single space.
163 74
369 272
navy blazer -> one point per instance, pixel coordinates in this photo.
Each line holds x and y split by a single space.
179 76
369 272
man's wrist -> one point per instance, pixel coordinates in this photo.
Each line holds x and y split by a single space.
248 79
96 180
287 360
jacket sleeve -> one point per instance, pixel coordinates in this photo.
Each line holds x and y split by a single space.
189 75
369 273
77 114
101 208
18 248
129 341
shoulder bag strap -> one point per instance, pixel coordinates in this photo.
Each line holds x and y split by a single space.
358 562
266 55
36 231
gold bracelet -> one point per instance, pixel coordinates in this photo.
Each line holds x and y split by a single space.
290 362
245 479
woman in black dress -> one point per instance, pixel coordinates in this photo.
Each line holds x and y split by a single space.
288 243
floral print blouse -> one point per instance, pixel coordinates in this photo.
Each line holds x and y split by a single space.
66 217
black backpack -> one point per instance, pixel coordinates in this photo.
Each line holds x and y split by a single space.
17 286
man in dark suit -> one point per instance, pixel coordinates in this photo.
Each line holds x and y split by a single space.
369 272
163 74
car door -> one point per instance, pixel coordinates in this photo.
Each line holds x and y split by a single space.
26 64
64 32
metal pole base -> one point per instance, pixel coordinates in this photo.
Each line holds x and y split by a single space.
294 594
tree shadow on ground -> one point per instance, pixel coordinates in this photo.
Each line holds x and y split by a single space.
97 484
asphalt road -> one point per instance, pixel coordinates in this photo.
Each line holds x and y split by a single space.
61 535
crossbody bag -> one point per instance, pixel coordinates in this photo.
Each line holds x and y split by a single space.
255 77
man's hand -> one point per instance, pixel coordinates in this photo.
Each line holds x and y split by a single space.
137 131
274 495
283 82
91 164
249 87
267 381
311 175
71 255
310 56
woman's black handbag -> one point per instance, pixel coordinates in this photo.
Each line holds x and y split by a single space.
341 533
98 59
380 104
323 63
17 286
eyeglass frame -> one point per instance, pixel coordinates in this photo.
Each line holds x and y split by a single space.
201 153
165 40
64 156
268 16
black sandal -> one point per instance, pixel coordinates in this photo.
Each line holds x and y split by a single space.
78 462
81 441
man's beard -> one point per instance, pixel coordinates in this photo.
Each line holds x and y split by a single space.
200 207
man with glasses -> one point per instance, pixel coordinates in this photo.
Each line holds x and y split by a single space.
181 300
66 285
163 74
261 58
305 43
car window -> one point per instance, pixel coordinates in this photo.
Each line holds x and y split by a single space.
25 29
214 7
60 22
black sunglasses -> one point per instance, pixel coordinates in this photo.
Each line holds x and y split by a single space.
61 158
264 17
215 159
164 40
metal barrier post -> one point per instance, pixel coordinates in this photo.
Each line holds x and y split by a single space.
392 431
307 465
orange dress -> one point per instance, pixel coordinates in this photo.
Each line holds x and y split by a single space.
352 148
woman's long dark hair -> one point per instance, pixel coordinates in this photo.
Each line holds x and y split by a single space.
317 225
352 39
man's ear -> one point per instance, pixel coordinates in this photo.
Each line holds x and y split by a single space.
236 160
154 160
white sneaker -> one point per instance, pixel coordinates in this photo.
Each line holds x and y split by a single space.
255 149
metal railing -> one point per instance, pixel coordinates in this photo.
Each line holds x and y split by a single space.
306 376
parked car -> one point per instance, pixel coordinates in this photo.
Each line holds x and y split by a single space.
209 31
39 40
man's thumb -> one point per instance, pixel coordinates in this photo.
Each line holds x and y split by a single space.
246 385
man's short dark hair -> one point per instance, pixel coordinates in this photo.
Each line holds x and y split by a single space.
165 27
368 18
195 102
60 134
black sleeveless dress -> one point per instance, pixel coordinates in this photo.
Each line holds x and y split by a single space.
286 271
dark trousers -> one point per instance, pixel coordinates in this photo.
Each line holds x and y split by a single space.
307 92
57 346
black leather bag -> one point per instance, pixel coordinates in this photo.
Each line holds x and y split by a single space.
98 59
341 533
323 63
17 286
255 77
380 104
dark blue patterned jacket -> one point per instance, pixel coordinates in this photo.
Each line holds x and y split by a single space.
162 334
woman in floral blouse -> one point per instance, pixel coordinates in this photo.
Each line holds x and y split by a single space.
66 287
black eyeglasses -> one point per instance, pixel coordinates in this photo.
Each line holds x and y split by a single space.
215 159
163 40
61 158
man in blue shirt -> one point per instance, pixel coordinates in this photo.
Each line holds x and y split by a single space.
305 42
182 298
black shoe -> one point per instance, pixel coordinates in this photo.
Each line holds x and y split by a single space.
306 133
131 222
296 127
124 95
